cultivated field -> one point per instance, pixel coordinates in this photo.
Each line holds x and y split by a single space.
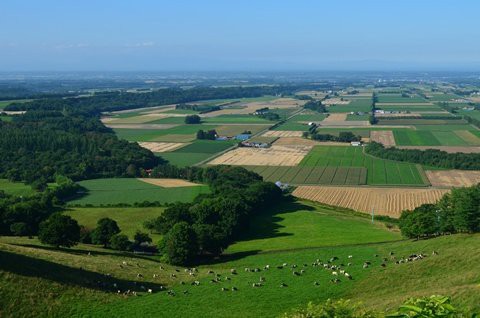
336 117
161 146
384 201
453 178
282 133
15 188
273 156
449 149
335 101
169 183
384 137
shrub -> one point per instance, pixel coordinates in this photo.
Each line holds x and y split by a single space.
333 309
120 242
433 306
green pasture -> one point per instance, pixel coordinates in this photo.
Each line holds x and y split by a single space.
355 105
130 190
431 138
195 152
15 188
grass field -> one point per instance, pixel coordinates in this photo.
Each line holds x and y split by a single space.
397 98
433 138
358 117
236 119
355 105
5 103
15 188
182 133
39 281
130 220
380 171
129 190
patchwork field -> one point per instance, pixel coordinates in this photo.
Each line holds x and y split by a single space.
453 178
380 171
169 183
273 156
128 190
383 201
196 152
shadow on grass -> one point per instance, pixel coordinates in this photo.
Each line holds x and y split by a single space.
225 258
86 252
34 267
266 224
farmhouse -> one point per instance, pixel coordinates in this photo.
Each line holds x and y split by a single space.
356 143
243 137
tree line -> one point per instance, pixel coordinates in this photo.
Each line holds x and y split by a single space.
119 100
343 136
429 157
457 212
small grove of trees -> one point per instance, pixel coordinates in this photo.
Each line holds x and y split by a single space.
105 230
430 157
209 135
59 230
458 211
192 119
315 105
343 136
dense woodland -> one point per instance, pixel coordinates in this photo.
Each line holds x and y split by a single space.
429 157
40 144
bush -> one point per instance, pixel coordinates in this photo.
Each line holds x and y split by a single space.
85 235
19 229
59 230
333 309
120 242
433 306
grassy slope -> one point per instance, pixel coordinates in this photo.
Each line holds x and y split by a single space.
113 191
283 241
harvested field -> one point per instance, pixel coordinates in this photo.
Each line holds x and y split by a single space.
299 141
336 117
384 137
335 101
345 124
384 201
282 133
449 149
169 183
248 108
273 156
453 178
417 115
404 104
135 119
161 146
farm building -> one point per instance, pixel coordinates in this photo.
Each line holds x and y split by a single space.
356 143
242 137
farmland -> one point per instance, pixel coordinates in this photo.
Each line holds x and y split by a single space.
116 191
15 188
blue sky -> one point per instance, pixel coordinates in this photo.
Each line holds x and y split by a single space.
71 35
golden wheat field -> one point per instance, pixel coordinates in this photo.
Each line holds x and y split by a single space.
384 201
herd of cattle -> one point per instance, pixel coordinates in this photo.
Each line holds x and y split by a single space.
337 269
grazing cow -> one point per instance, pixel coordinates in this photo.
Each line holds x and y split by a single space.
283 285
247 269
185 292
392 253
177 270
266 267
335 281
347 275
316 283
227 278
256 285
383 265
334 273
182 283
350 256
262 279
365 265
161 268
234 288
173 275
224 289
349 264
125 263
284 264
233 271
434 253
302 271
280 267
149 291
296 273
139 275
155 275
210 272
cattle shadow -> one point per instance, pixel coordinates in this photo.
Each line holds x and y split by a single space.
70 276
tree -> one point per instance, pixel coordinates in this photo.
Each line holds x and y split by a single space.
422 221
192 119
19 229
179 245
120 242
59 230
106 228
141 237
